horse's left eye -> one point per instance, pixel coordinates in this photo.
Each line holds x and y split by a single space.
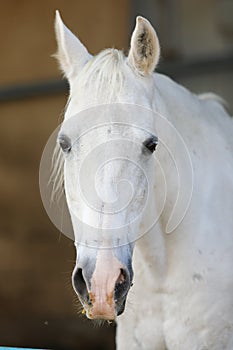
150 144
65 143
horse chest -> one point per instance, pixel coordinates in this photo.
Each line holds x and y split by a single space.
186 308
184 319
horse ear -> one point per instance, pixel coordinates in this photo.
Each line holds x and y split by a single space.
71 54
144 47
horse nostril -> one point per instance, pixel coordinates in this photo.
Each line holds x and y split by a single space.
80 286
122 284
121 277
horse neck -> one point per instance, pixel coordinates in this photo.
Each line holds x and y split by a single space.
167 105
174 102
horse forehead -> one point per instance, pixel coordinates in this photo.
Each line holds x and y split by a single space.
132 90
111 155
115 120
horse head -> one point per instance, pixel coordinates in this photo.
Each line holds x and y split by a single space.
107 138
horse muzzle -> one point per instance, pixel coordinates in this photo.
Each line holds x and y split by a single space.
103 292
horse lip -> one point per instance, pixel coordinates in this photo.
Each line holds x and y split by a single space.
100 314
109 314
99 309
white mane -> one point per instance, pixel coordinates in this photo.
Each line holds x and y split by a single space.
104 74
214 97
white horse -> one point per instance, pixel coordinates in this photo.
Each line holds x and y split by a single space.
168 250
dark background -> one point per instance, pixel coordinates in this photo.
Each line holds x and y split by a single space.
37 305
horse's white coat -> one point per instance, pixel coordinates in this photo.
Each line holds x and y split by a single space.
182 298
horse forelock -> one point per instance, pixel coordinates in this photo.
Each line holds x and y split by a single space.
103 76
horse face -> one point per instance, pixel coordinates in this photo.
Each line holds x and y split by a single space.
108 162
108 169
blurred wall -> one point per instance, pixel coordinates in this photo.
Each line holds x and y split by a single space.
37 305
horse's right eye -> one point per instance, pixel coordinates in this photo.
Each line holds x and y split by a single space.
64 143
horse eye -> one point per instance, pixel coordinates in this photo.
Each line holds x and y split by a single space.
150 144
64 143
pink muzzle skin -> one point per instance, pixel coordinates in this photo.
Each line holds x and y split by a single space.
108 272
102 281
